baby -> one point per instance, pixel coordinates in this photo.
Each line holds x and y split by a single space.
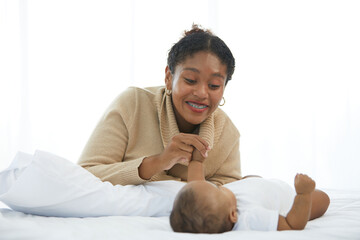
253 203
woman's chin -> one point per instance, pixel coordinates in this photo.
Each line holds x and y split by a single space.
196 121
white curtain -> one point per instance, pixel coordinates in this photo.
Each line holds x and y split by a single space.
294 95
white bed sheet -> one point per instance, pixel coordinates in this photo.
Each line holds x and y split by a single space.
342 221
53 186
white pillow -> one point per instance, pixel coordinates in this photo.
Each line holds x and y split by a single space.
48 185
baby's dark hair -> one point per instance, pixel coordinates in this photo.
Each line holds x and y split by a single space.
192 216
197 40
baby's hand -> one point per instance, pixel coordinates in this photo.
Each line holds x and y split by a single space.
197 156
304 184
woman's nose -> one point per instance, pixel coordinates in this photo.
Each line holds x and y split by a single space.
201 90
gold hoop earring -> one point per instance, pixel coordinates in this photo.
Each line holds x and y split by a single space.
168 92
222 104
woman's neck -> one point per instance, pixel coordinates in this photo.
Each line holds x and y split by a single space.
184 126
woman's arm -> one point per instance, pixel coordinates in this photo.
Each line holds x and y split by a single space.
104 152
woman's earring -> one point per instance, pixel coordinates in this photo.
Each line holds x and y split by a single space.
222 104
167 92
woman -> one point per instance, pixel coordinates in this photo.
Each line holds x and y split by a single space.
151 134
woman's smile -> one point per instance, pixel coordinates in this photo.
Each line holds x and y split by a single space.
197 107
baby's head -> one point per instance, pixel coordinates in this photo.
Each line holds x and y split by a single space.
202 207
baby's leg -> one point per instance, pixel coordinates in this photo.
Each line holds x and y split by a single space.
319 204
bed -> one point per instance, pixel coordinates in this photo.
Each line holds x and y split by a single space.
47 197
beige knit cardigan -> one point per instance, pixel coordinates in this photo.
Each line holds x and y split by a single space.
140 123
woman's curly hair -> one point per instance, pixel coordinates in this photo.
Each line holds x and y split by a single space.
196 40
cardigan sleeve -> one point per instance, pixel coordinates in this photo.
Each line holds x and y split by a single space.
105 150
230 168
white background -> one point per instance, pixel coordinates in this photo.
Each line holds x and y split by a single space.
294 95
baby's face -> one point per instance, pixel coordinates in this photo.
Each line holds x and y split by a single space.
208 192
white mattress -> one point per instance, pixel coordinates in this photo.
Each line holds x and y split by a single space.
342 221
74 204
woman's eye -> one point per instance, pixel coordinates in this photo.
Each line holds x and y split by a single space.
189 80
213 86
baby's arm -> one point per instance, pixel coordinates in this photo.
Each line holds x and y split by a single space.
299 214
196 167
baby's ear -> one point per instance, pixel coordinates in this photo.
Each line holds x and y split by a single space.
233 215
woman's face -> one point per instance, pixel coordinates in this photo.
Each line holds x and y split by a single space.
197 88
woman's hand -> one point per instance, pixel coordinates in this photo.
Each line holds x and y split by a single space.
179 150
